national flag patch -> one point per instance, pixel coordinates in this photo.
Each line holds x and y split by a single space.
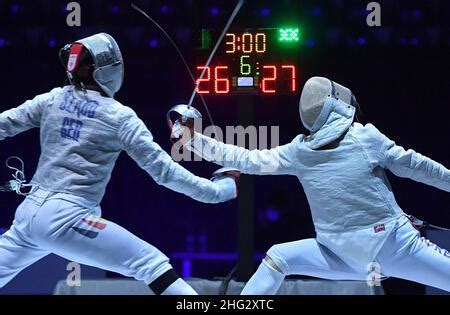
94 222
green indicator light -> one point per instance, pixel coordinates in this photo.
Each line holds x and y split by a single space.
205 38
257 73
289 35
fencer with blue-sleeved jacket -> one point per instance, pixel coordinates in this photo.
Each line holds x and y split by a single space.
82 134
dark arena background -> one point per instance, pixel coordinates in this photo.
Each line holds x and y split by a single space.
399 72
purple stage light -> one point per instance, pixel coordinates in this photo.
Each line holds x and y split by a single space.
115 9
214 11
52 43
416 13
316 11
153 43
14 8
272 214
2 42
164 9
265 12
414 41
187 268
361 41
311 42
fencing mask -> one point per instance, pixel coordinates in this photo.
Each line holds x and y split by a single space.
316 92
107 66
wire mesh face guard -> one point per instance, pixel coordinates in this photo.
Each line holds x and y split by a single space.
108 62
185 111
314 95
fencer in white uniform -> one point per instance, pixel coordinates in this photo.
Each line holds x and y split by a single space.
82 132
341 166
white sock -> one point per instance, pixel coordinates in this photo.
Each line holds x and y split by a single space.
179 287
265 281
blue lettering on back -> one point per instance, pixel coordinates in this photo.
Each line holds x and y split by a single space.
80 107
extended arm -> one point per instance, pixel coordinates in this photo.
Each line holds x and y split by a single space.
415 166
410 164
26 116
138 142
259 162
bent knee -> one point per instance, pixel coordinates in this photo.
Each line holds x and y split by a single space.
149 265
275 259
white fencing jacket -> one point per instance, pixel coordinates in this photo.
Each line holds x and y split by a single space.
83 133
352 204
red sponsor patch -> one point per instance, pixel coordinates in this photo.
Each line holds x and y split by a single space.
379 228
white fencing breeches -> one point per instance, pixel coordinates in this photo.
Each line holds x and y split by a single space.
44 225
404 255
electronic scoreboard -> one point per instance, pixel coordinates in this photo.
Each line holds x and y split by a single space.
253 61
